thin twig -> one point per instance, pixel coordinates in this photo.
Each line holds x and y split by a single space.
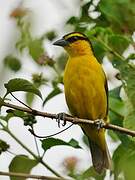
51 135
20 101
71 119
31 152
36 144
22 175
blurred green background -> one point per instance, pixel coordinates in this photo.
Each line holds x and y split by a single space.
28 29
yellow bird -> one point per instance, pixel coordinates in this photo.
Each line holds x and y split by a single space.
86 93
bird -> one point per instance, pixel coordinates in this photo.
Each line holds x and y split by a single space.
86 93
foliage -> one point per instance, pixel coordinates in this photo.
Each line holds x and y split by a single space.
12 63
50 142
21 163
109 26
3 146
21 85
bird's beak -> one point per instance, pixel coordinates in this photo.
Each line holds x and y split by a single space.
61 42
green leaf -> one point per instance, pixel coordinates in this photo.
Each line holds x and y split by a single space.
51 35
12 62
51 142
7 117
90 173
36 48
118 43
117 156
37 80
110 10
73 20
29 98
85 140
113 135
131 57
129 121
117 106
99 51
21 164
18 84
85 9
117 14
116 119
74 143
3 146
115 93
1 102
127 72
52 94
18 113
124 160
13 113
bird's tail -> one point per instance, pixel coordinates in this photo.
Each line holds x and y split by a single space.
100 156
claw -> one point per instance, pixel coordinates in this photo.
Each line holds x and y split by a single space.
61 116
99 123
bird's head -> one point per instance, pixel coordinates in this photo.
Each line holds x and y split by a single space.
75 44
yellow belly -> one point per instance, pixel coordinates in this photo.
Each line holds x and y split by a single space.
84 88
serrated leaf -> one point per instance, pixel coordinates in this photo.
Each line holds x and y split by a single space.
51 142
18 84
21 164
52 94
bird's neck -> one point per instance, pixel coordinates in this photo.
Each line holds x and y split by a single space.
79 48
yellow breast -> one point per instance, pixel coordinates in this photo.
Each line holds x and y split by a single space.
84 87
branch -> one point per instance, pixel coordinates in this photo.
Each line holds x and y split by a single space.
71 119
22 175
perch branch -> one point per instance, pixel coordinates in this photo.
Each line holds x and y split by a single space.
22 175
70 119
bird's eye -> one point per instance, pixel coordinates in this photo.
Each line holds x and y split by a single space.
73 38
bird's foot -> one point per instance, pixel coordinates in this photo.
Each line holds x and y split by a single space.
61 116
99 123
